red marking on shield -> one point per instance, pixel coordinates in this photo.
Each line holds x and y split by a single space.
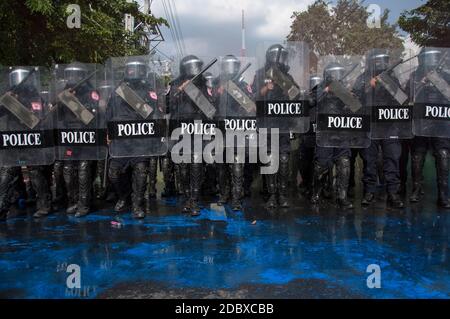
69 152
95 96
36 106
153 95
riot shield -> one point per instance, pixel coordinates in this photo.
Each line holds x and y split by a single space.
342 119
136 108
25 121
281 86
193 107
80 128
105 87
236 107
431 93
385 93
309 138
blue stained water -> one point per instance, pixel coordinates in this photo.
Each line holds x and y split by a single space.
224 249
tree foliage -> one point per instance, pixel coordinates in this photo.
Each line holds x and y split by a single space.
35 32
342 29
429 24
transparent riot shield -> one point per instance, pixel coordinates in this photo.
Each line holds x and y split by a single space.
309 138
431 93
384 93
342 119
193 107
25 121
281 86
136 108
80 128
236 107
105 87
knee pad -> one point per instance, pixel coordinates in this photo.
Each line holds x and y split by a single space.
114 172
140 169
84 165
442 154
68 168
284 158
344 162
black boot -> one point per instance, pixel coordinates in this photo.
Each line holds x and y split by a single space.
328 184
70 180
58 187
196 184
342 180
85 188
43 206
6 180
367 199
402 190
40 184
183 171
264 192
271 184
417 162
317 182
394 201
139 180
179 179
115 179
152 172
248 179
168 175
224 180
99 190
283 181
442 159
120 206
237 191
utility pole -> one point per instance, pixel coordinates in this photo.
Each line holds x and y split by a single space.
243 49
129 21
152 35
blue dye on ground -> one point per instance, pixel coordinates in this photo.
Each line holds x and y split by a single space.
223 250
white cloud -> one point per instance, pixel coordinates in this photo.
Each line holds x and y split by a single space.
265 19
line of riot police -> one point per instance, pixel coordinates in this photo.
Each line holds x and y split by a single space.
83 129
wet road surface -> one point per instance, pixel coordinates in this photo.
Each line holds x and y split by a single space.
301 252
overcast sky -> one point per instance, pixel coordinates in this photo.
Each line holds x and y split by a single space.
213 27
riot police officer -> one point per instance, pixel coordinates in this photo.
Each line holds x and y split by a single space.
22 85
308 141
184 109
77 171
325 157
266 89
234 107
122 109
373 93
423 91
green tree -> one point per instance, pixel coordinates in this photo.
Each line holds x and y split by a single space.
35 32
429 24
342 29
